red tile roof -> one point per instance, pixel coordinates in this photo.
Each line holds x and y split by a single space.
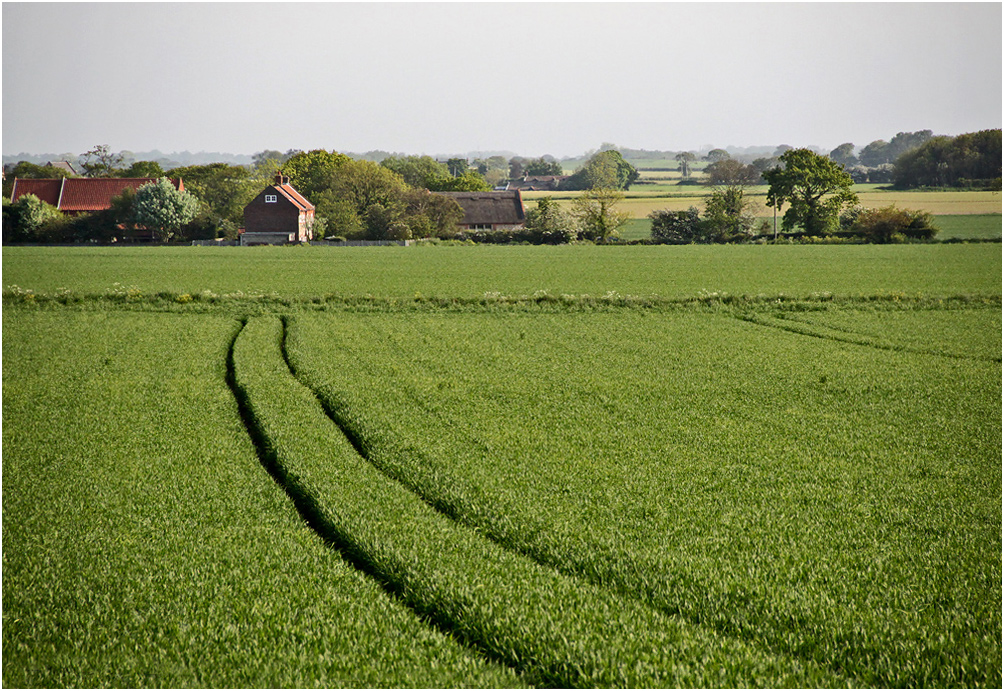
46 190
292 195
81 195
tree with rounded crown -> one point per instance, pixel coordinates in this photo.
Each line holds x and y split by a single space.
685 157
815 188
164 209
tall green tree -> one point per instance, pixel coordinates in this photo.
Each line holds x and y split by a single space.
311 172
163 209
606 170
685 158
814 187
596 212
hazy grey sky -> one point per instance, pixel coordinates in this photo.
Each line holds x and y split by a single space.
533 78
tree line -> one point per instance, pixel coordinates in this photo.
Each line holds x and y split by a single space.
393 199
354 199
817 192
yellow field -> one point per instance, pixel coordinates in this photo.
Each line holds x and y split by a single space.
937 203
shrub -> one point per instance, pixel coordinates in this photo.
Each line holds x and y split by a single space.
677 227
548 224
890 224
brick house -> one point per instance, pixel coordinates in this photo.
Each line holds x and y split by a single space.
75 196
489 210
277 216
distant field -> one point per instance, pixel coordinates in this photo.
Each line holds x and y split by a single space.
642 200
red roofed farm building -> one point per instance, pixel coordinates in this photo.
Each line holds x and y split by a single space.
278 215
75 196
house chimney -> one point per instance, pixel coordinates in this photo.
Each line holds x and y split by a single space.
280 179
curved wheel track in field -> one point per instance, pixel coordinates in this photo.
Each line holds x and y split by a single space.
612 580
842 335
553 629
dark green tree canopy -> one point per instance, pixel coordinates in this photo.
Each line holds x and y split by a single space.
969 158
844 155
225 189
417 171
543 166
730 173
142 169
677 227
311 171
605 170
814 187
469 181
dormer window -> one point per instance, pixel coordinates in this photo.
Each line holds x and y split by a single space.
270 199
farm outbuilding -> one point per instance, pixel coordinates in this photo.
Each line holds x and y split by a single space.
75 196
489 210
536 183
278 215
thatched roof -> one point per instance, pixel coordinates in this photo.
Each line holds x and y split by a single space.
496 208
531 183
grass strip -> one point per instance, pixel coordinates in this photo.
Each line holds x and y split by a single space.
557 631
241 304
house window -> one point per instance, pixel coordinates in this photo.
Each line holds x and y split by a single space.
270 198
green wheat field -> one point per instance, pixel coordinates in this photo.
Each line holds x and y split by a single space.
580 466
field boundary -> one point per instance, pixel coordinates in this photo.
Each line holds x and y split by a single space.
242 304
